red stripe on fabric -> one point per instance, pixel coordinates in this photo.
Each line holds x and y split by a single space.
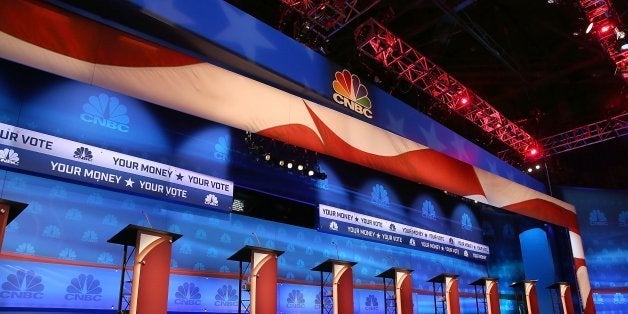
69 34
424 166
579 262
546 211
296 134
590 306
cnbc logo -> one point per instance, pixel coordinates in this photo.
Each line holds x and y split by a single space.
349 92
84 288
106 112
188 294
22 285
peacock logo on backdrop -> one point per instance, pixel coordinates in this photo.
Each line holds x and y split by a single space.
24 284
226 296
107 112
84 288
371 303
351 93
295 299
188 294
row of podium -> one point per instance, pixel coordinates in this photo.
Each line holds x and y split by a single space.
257 288
257 292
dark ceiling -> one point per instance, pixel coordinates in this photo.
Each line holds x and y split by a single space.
530 59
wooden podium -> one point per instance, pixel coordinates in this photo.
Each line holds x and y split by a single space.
447 286
151 269
487 299
261 265
399 282
8 211
560 293
526 300
338 274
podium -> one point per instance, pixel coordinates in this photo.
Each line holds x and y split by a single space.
447 286
261 286
560 293
526 300
151 269
8 211
399 282
487 300
339 275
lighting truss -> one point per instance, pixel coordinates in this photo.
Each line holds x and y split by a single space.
328 17
601 15
376 42
586 135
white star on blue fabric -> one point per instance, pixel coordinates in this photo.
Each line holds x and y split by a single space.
432 140
243 31
129 182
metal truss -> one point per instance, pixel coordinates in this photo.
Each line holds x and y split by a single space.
326 17
375 41
608 28
586 135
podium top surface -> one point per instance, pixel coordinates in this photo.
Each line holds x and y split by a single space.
557 285
482 281
128 235
390 272
522 283
328 265
15 208
441 278
244 254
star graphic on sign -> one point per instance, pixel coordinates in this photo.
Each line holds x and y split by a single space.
378 235
243 31
356 219
431 138
179 176
129 182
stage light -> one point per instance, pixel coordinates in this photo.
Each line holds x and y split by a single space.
310 173
267 157
529 169
589 28
300 167
464 100
537 167
624 47
281 163
289 165
533 152
605 28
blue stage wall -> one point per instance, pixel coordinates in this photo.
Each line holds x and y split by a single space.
603 220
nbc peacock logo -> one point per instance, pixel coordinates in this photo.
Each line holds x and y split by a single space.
351 93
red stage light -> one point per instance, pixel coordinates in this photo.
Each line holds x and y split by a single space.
464 100
533 151
605 28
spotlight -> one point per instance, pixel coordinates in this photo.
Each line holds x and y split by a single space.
281 163
537 167
605 28
529 169
624 47
289 165
464 100
589 28
267 157
300 167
